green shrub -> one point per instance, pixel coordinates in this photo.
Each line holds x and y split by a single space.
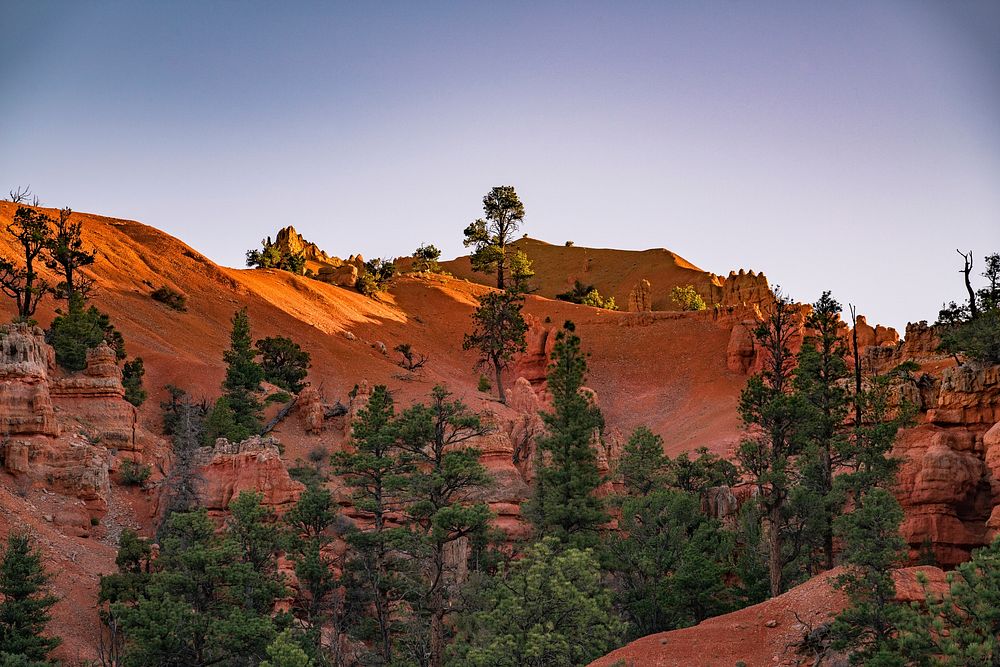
272 257
425 258
278 397
170 298
132 374
485 385
587 295
133 473
687 298
376 277
73 333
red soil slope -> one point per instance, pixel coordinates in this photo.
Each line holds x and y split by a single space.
613 272
670 374
764 634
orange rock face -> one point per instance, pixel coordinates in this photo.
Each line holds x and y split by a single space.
228 469
25 402
95 399
310 405
949 484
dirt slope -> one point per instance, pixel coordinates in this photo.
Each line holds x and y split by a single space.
762 635
670 374
613 272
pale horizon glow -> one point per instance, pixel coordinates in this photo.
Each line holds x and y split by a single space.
845 146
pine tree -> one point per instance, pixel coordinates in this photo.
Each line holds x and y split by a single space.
209 597
565 504
377 473
238 409
24 603
499 333
321 602
548 609
820 380
32 231
869 627
442 506
669 563
772 414
67 255
284 652
132 374
490 235
962 626
520 273
643 466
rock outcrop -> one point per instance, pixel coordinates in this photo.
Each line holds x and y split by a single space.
949 483
227 469
25 401
743 288
95 399
640 298
323 267
539 341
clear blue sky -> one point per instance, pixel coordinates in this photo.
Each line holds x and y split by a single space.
849 146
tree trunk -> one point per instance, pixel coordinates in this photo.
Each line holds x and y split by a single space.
966 270
500 392
501 270
827 512
774 549
857 369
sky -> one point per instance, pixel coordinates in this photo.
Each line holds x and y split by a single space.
847 146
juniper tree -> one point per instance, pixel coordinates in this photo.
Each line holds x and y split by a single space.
771 411
24 604
490 235
32 231
564 504
425 258
444 499
74 332
498 333
284 362
67 255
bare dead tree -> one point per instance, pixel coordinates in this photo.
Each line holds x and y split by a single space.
20 195
411 360
966 271
857 366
